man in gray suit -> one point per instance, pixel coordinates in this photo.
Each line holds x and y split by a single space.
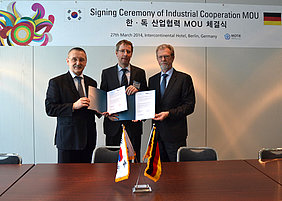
134 80
66 99
175 99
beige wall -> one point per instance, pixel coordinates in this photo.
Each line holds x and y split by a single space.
238 96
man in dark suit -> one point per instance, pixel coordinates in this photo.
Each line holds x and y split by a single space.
66 99
134 79
175 99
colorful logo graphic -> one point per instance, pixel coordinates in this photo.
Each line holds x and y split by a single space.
25 31
227 36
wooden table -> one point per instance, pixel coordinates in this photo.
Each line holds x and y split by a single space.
9 174
271 168
210 180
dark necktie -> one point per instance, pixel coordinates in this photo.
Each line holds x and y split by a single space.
124 81
163 84
79 86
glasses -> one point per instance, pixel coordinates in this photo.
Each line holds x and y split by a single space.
164 56
123 51
74 59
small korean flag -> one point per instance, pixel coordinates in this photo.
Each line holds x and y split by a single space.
74 15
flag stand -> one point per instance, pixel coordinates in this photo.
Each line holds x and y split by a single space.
141 188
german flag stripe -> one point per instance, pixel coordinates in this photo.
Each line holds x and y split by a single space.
272 15
272 22
272 18
153 161
156 160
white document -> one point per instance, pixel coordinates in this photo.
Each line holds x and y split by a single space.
116 100
145 105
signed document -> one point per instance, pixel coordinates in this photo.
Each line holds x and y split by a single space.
112 101
145 105
116 100
141 106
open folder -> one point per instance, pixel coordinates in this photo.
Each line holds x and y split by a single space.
139 106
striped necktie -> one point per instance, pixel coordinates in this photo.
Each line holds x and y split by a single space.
79 86
124 81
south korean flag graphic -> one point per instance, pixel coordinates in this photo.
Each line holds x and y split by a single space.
74 15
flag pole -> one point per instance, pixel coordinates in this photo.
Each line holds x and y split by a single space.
141 188
140 168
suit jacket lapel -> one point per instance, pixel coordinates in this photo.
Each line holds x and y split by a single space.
115 76
86 84
132 74
158 81
73 88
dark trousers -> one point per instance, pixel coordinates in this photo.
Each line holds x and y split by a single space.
135 141
75 156
168 150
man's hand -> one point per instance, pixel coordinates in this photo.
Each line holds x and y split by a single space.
161 116
112 117
82 102
131 90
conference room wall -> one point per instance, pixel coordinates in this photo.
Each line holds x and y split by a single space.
231 113
16 102
235 77
244 100
244 107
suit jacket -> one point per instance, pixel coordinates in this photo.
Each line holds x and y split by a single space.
74 128
109 82
179 100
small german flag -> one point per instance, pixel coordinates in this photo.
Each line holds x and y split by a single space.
153 170
272 18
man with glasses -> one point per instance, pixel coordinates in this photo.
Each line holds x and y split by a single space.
134 79
66 99
175 99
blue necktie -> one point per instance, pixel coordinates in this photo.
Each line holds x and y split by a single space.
124 81
79 86
163 84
